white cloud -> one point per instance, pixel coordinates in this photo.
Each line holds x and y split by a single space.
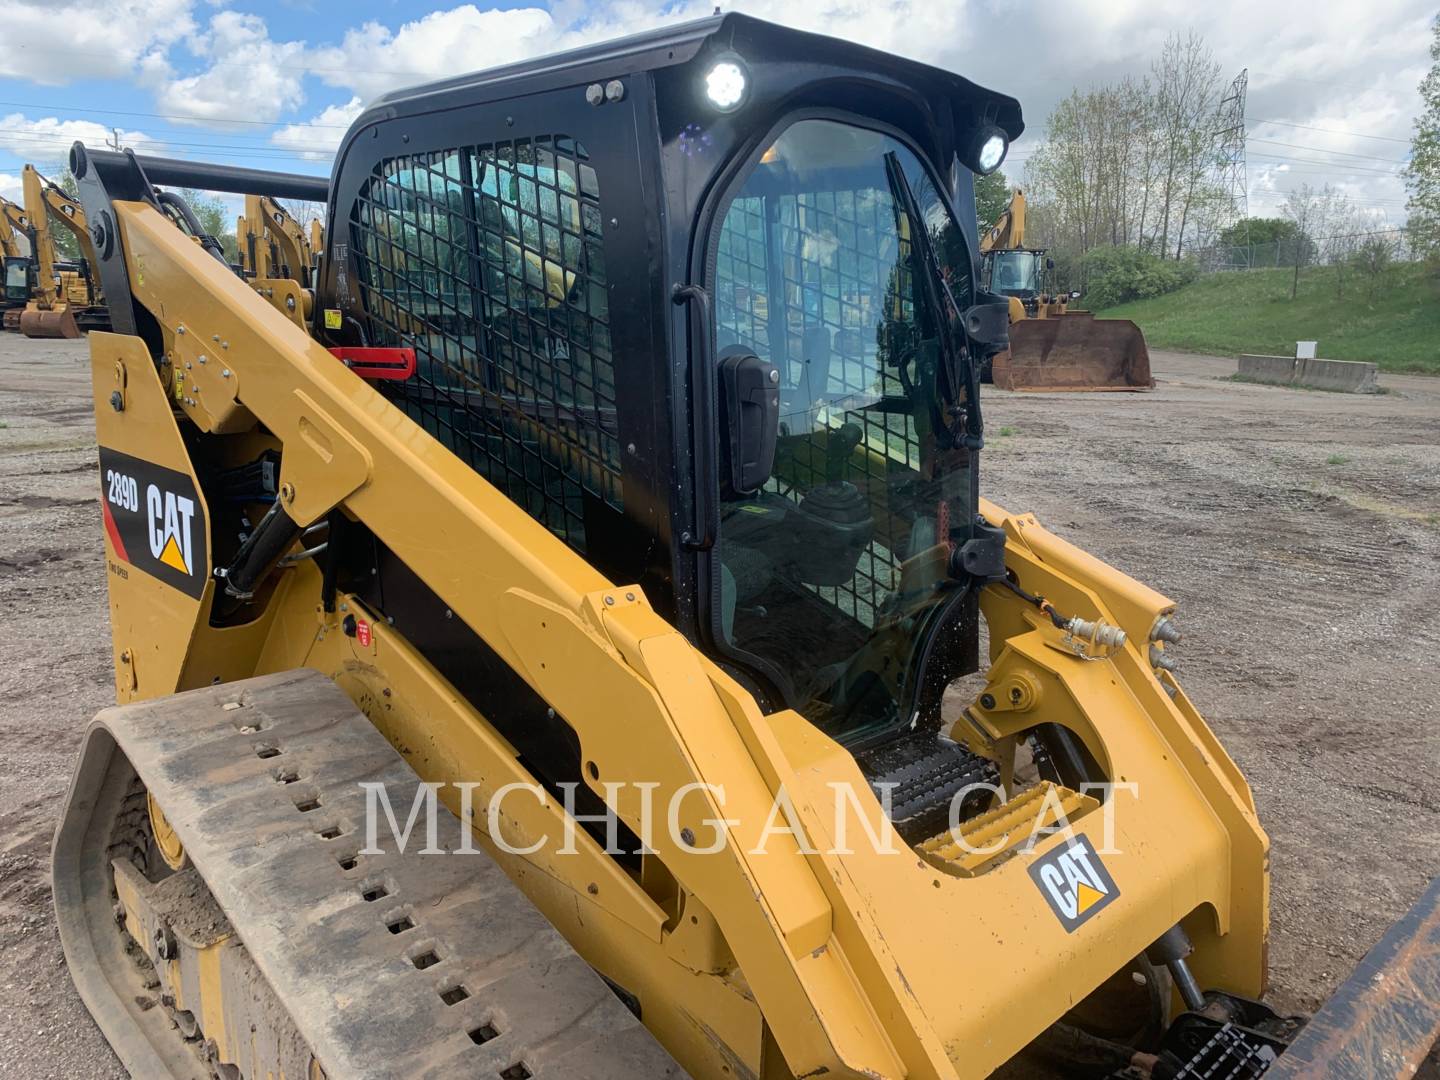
1318 72
372 58
319 137
45 142
10 186
250 76
86 39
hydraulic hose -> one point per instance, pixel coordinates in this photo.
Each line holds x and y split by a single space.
181 207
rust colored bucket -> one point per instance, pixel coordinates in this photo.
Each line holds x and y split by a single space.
56 323
1074 351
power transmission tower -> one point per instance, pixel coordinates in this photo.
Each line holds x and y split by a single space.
1230 159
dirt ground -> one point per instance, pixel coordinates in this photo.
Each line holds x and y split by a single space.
1299 532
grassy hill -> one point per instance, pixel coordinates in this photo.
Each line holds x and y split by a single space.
1251 311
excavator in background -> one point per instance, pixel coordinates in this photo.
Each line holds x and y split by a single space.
66 298
17 263
1052 347
276 252
273 245
580 513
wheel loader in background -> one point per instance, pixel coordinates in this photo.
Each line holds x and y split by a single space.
66 300
657 586
1052 347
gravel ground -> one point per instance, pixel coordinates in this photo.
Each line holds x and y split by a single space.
1299 532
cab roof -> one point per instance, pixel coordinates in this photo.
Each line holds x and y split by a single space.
677 44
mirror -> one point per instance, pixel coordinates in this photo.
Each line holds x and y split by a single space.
749 421
1049 264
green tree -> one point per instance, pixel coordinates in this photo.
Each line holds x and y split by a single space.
992 195
1373 260
1422 175
214 219
1114 275
66 246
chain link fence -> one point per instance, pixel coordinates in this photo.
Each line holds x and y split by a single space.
1371 250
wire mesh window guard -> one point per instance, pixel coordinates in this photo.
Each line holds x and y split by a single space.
833 573
488 260
828 299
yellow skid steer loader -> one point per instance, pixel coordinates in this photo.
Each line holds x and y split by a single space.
614 524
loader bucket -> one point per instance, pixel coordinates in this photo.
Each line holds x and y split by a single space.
1383 1021
1074 351
56 323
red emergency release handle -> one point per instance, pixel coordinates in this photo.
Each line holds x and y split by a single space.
375 362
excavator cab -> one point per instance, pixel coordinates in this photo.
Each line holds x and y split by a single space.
18 269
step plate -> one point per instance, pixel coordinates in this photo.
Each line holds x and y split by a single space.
989 838
261 781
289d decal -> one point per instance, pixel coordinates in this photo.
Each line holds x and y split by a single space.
154 520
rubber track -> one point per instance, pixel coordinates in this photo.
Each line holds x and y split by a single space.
266 798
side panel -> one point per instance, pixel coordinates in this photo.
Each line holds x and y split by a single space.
157 590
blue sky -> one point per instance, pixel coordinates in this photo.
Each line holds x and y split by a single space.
273 84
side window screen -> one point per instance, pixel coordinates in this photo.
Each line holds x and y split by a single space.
488 261
835 571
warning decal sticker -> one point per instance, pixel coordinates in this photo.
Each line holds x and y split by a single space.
154 520
1074 882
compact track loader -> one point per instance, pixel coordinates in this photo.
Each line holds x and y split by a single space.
614 522
1052 347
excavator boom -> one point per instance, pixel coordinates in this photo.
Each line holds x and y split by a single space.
12 226
49 314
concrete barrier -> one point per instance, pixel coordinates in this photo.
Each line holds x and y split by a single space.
1346 376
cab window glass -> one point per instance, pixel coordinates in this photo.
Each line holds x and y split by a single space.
488 259
830 573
